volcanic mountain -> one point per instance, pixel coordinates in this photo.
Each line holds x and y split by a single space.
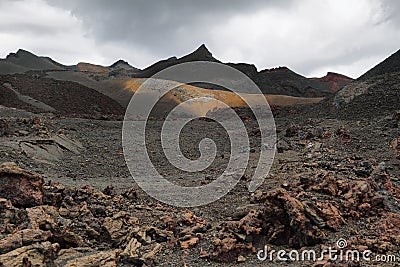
374 93
279 81
389 65
41 82
45 95
23 61
201 54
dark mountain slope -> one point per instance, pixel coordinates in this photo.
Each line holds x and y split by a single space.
375 93
279 81
389 65
67 98
26 60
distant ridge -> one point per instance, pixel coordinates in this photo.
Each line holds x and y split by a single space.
121 64
389 65
30 61
375 93
279 81
200 54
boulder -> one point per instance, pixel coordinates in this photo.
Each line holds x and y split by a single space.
12 219
21 187
22 238
3 127
287 221
99 258
37 254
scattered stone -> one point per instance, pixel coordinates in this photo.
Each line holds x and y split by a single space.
186 245
286 222
315 195
53 193
282 146
291 131
130 194
22 238
395 144
364 169
343 134
11 219
241 258
22 187
3 127
38 254
102 258
396 119
318 132
21 133
110 191
204 254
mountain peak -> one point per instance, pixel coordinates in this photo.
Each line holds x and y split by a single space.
203 50
200 54
120 61
27 60
121 64
23 51
20 53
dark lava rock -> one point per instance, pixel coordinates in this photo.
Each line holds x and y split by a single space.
21 187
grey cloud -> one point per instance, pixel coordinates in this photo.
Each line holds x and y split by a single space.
392 9
143 31
348 57
162 27
34 29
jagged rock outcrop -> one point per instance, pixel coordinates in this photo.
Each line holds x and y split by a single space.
23 188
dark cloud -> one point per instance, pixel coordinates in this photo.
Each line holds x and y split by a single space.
162 27
391 9
309 36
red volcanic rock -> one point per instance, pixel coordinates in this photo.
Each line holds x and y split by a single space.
288 222
21 187
336 80
335 77
21 238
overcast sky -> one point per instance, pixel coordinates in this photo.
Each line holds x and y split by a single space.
309 36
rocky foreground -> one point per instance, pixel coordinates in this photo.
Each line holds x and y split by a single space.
331 179
48 224
67 197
